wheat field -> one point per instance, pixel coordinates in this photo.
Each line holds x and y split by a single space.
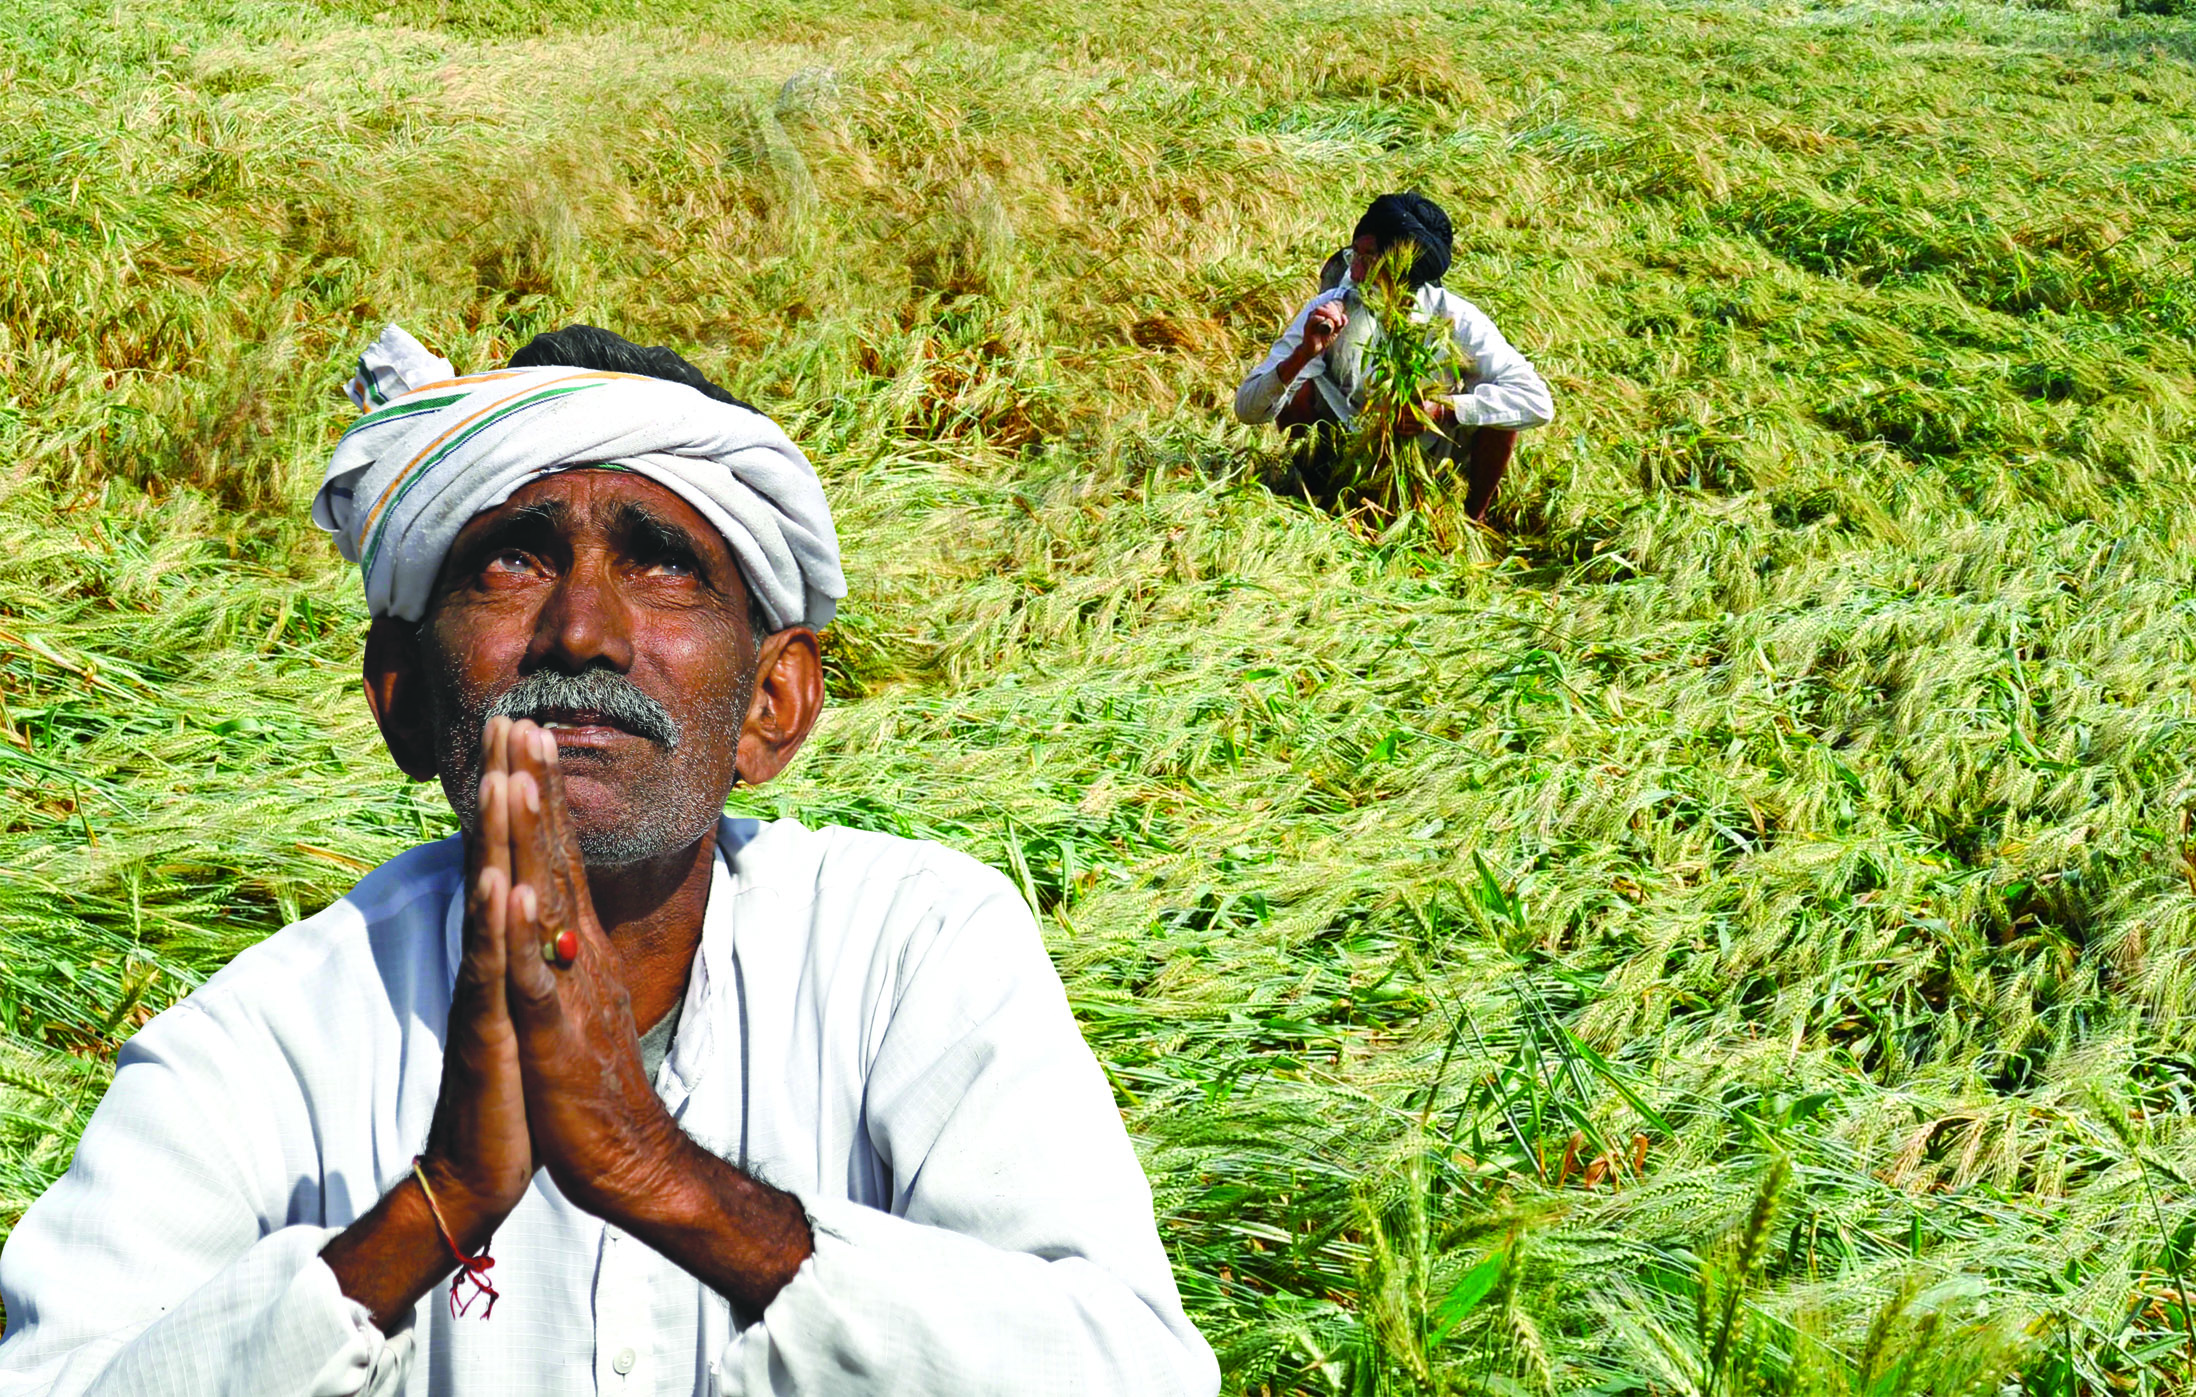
1731 929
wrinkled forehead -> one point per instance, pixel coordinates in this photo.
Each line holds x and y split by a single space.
598 499
603 506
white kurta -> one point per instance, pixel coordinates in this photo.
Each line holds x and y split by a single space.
872 1024
1502 390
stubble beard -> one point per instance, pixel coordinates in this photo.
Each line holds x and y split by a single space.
674 811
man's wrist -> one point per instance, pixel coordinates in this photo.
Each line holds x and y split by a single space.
458 1212
662 1190
390 1257
742 1237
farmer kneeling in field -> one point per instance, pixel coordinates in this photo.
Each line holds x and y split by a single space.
611 1094
1315 373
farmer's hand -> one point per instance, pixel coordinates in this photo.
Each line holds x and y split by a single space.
598 1126
1438 412
479 1155
1320 328
1322 325
479 1158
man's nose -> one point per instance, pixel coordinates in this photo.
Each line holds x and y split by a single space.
587 621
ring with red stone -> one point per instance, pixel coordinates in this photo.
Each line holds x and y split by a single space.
562 949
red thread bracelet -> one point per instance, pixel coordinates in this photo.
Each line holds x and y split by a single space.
470 1268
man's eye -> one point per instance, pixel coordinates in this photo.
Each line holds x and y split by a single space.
510 560
671 567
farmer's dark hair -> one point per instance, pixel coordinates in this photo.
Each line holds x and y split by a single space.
1411 217
592 347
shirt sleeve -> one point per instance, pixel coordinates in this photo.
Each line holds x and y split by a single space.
1505 389
1019 1254
1264 393
147 1270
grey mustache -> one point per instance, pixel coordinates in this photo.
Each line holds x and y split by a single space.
546 693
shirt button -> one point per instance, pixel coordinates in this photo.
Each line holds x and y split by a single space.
624 1361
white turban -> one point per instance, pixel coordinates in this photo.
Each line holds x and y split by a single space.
434 450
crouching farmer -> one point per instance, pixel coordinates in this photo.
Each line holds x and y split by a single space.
609 1094
1314 374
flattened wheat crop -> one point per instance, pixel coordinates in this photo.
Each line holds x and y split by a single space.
1731 932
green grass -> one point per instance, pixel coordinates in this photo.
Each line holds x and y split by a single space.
1733 933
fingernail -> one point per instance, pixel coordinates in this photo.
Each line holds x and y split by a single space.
531 794
522 902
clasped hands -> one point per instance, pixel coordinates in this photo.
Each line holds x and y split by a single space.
541 1068
541 1062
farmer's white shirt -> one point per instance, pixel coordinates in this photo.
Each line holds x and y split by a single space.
1502 390
872 1023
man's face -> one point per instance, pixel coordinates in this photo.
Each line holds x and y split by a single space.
1364 252
603 606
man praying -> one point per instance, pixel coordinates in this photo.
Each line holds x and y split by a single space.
610 1093
1314 376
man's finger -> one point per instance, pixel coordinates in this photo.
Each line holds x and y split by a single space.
533 984
487 889
476 838
530 867
480 850
486 927
532 898
562 836
496 744
560 841
564 881
493 876
535 864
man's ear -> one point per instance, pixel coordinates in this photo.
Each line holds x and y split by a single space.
396 691
789 692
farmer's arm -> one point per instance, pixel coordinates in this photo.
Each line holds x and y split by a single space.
1504 390
1293 358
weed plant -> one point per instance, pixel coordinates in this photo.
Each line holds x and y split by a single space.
1737 937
